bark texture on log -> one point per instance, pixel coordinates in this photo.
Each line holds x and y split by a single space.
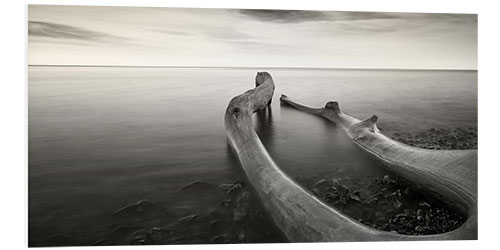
448 175
300 215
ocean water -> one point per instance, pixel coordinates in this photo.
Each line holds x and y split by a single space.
103 138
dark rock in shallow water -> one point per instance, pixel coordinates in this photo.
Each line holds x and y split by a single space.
137 237
197 186
424 204
243 205
214 225
140 213
232 188
220 239
137 241
146 223
323 184
157 235
139 208
439 139
391 207
189 218
225 203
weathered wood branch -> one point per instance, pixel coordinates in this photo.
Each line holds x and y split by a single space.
449 175
300 215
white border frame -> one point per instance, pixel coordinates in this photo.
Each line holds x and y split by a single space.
13 150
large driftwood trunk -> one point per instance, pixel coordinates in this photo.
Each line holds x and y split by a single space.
448 175
299 214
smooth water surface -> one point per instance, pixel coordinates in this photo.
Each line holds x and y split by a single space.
103 138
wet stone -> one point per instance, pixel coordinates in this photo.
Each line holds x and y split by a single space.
189 218
235 218
214 225
197 185
440 139
389 205
232 188
140 210
220 239
157 235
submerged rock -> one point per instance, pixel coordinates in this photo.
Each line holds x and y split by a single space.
220 239
439 139
232 188
214 225
137 237
158 235
390 206
140 208
189 218
197 186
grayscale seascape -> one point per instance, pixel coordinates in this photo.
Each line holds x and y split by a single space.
161 126
103 138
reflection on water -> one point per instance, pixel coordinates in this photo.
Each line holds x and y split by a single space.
263 123
104 138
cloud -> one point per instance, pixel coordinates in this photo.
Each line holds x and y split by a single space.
227 33
174 32
367 26
284 15
425 24
356 16
60 31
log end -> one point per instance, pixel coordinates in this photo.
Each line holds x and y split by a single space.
333 106
262 77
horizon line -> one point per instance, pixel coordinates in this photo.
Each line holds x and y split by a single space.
243 67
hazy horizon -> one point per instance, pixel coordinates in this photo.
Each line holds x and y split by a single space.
191 37
238 67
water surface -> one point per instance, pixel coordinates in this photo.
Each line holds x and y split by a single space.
103 138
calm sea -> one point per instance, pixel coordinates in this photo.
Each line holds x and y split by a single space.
103 138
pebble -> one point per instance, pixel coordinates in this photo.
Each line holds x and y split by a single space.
189 218
224 238
383 208
131 212
440 139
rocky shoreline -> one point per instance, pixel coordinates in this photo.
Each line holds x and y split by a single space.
440 139
384 203
236 218
390 205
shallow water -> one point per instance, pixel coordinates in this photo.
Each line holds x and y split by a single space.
103 138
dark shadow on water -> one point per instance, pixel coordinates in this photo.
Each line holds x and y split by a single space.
263 124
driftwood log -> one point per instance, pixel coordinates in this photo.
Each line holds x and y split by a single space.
304 218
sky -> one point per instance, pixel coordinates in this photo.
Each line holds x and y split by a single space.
126 36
